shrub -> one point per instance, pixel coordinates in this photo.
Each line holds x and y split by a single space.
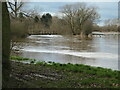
18 29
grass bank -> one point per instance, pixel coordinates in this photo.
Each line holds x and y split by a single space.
56 75
21 58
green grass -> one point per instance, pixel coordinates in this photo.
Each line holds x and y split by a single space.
72 75
76 75
21 58
99 71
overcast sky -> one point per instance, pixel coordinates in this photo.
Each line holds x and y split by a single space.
107 10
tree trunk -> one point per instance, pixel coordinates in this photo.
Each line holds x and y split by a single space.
5 45
15 9
73 31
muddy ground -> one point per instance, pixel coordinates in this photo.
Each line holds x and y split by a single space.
40 76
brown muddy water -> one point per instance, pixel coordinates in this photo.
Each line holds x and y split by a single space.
101 51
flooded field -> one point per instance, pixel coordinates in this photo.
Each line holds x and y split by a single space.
101 51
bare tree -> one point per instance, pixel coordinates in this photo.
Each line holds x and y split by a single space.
69 13
35 11
15 7
111 22
111 25
77 14
85 14
59 26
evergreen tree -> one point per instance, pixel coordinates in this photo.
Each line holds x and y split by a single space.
21 16
46 20
36 19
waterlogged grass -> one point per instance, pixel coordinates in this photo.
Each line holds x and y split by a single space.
72 75
99 71
96 71
21 59
90 76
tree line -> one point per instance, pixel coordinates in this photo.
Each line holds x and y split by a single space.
77 19
74 21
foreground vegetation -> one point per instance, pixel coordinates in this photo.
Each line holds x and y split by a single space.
56 75
21 58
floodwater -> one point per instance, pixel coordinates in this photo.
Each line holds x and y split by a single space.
101 51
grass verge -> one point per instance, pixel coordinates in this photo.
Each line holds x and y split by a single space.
21 59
